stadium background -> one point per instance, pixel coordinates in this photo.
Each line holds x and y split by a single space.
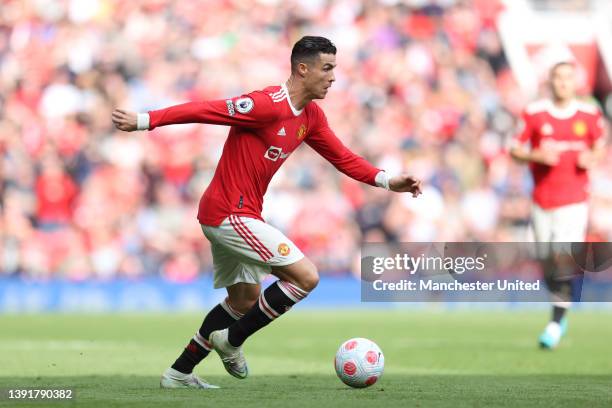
96 219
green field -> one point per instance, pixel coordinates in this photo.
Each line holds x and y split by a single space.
433 359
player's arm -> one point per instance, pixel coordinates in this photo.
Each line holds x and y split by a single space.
253 110
521 150
326 143
597 151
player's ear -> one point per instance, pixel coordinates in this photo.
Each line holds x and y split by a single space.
302 69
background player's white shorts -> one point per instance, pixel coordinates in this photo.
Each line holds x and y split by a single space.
245 250
567 223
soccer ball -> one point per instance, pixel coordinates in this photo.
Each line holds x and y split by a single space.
359 362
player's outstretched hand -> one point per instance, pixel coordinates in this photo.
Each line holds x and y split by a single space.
549 157
405 184
124 120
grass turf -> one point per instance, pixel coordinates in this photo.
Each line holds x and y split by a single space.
433 359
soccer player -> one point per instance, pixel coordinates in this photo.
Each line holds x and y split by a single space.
266 126
560 138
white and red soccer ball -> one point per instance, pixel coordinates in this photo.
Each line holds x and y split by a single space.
359 362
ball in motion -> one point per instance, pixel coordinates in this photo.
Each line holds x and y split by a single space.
359 362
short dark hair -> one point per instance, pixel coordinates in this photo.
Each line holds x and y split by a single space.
568 63
308 48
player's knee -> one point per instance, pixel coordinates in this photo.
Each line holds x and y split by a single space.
309 278
245 301
243 305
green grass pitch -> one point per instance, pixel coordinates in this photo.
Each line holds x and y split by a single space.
433 358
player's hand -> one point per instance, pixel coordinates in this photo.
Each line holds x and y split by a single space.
124 120
548 157
405 184
585 159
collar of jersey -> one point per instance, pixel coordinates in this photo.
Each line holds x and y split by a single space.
295 111
562 113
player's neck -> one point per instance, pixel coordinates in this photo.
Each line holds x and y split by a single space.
562 103
297 94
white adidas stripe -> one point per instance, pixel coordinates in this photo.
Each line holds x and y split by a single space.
277 94
279 97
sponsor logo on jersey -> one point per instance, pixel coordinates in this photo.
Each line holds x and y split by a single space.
580 128
282 132
274 153
547 129
301 132
230 107
284 249
563 145
244 105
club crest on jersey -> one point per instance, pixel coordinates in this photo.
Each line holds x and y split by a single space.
284 249
244 105
580 128
301 132
547 129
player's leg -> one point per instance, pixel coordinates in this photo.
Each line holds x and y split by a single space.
568 224
542 223
227 273
241 297
297 277
294 283
180 374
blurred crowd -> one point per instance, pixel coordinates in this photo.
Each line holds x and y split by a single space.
422 86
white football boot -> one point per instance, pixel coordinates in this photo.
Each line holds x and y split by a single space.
172 378
231 356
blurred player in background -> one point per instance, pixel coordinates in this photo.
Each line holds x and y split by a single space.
266 127
560 138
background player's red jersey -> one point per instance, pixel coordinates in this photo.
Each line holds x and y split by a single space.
569 131
265 129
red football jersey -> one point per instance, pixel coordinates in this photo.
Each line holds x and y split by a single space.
265 129
570 131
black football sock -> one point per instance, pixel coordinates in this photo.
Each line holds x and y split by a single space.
558 313
220 317
273 302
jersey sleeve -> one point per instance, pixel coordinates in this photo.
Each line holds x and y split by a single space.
252 110
324 141
524 131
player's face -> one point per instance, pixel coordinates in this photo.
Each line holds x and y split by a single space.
321 75
563 82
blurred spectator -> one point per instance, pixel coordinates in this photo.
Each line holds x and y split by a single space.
55 193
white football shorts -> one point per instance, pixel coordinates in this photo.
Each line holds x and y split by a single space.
245 250
567 223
